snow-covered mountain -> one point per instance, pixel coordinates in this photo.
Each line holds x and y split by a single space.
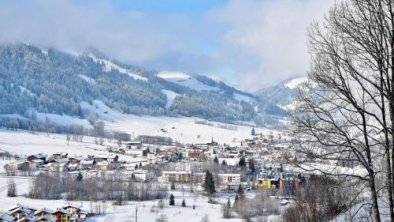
282 94
35 83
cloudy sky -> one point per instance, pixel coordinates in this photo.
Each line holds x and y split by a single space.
247 43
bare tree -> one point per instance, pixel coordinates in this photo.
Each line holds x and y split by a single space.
346 112
11 192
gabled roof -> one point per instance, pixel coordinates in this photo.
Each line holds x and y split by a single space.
30 218
7 217
46 218
44 210
62 211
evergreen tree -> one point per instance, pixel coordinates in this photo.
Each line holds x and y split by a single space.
216 160
79 177
252 166
253 133
240 192
242 162
172 200
209 185
224 162
183 203
226 209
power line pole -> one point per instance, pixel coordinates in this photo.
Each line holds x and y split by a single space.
136 213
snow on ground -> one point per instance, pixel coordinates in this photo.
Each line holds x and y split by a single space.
362 212
109 66
181 129
63 120
88 79
241 97
28 92
294 83
24 143
126 212
174 76
186 80
184 130
170 97
102 110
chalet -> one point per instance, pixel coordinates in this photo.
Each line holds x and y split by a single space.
39 156
28 218
43 212
46 218
76 212
20 211
62 215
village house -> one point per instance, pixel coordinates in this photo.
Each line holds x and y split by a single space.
77 212
194 154
229 181
62 215
20 211
39 156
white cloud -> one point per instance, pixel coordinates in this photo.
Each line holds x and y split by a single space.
272 35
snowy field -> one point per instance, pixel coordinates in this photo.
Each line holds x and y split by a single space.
182 129
122 213
23 143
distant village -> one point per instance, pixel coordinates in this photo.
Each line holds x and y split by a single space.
255 163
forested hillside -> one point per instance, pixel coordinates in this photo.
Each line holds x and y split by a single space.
52 81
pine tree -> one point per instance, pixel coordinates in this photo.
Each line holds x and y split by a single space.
79 177
209 185
240 192
224 162
242 162
253 132
216 160
183 203
172 200
226 209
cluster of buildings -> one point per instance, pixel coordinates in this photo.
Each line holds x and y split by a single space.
265 152
22 213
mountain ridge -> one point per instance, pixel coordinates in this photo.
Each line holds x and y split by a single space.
53 81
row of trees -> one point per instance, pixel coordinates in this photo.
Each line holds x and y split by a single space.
100 187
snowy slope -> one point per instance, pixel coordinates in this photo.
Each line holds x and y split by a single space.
186 80
109 66
170 97
283 94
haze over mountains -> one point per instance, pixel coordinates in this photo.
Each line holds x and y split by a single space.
34 80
